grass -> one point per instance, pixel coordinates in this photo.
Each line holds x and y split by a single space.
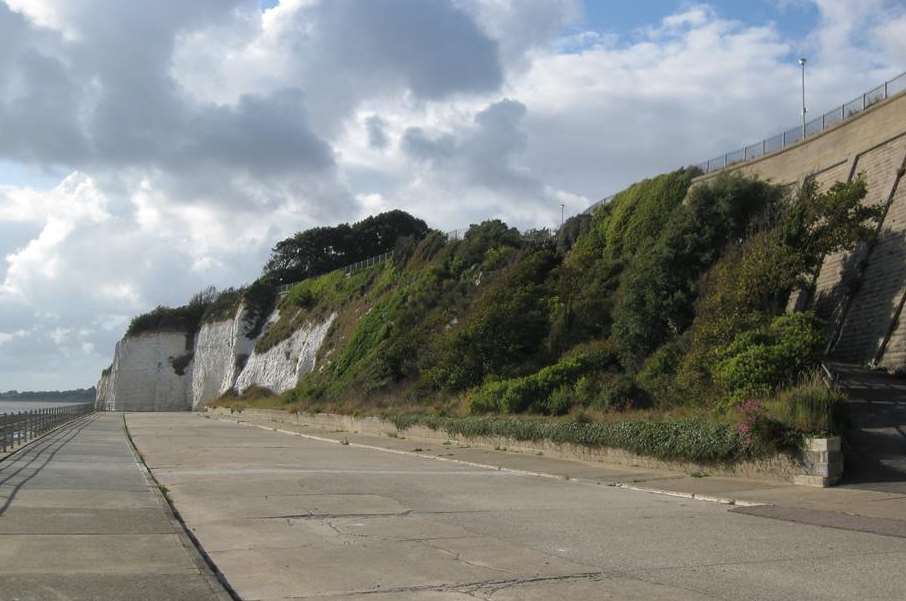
314 298
254 397
691 439
810 407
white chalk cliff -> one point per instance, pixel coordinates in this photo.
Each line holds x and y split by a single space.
144 375
280 367
221 349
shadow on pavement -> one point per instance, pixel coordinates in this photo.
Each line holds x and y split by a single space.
29 461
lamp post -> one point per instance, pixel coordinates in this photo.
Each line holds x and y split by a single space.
802 64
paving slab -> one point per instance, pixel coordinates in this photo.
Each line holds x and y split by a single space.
85 498
287 517
92 587
81 520
828 519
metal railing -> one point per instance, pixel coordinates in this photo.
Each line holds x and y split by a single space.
796 134
591 208
364 264
21 427
348 270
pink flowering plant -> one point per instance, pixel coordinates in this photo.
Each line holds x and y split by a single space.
759 433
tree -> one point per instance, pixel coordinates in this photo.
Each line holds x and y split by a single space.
322 249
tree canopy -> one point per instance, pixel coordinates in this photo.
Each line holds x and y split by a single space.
322 249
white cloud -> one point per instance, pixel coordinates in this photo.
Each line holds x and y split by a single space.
6 337
225 128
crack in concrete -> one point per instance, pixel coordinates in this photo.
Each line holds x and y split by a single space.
470 588
399 514
457 556
332 516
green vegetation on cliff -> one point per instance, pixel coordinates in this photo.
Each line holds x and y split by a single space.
667 301
657 324
305 255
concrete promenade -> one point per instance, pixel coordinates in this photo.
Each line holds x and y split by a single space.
289 517
80 520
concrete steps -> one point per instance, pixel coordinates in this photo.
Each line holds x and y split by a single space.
876 441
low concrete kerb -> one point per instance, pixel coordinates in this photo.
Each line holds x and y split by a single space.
216 579
586 481
819 465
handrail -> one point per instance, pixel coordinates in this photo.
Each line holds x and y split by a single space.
827 375
794 135
21 427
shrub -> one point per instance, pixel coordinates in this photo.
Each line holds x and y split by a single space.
641 211
618 393
224 306
504 329
657 293
657 377
259 297
762 434
759 361
180 363
561 400
301 296
172 319
534 392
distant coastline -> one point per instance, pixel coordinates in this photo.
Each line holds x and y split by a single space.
78 395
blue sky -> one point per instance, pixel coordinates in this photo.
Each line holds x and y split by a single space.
792 18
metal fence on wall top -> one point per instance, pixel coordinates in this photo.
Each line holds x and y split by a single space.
817 125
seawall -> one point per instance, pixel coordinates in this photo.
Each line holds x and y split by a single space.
861 293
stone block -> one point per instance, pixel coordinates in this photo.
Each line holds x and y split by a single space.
814 481
824 444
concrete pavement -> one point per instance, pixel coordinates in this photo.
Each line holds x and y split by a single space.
80 520
285 517
850 499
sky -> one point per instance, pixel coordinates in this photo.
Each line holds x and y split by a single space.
151 149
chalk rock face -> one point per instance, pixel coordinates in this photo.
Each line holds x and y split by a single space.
143 376
221 349
104 390
280 367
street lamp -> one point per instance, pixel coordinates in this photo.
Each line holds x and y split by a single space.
802 64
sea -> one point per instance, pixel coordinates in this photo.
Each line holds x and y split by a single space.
11 406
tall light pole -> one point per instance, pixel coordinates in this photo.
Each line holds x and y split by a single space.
562 213
802 64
